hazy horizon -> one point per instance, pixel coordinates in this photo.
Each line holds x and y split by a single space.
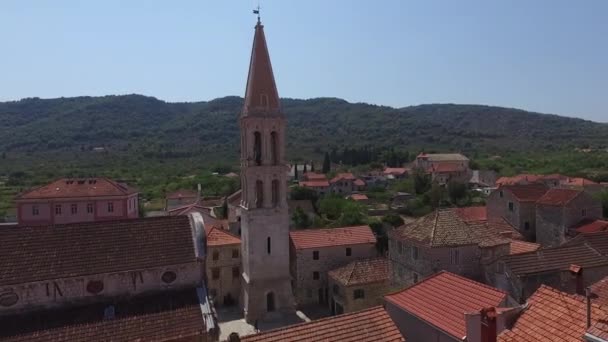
543 56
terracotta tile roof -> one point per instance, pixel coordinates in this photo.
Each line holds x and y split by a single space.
216 236
362 272
444 227
600 289
597 240
370 325
591 226
518 247
442 299
579 182
358 197
50 252
396 171
159 317
554 259
526 192
551 316
343 176
558 197
472 213
68 187
314 176
235 198
359 182
599 330
328 237
188 208
521 179
314 184
445 168
184 193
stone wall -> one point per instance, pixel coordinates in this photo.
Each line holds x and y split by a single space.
522 217
373 294
310 291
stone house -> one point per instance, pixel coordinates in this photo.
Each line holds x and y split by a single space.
77 200
566 268
314 252
444 167
436 308
558 210
359 285
321 187
393 173
137 272
346 184
443 240
481 179
223 265
517 205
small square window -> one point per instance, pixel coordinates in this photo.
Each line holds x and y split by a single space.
414 253
315 275
501 194
584 212
315 255
415 278
236 272
58 209
359 293
74 209
349 251
235 253
89 208
526 225
215 273
35 210
511 206
216 255
110 207
455 256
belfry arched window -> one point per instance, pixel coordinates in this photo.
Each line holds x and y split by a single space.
264 100
275 193
268 245
259 194
274 148
257 148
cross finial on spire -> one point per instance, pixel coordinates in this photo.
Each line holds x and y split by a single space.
257 11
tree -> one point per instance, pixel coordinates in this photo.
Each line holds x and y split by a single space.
434 196
225 209
312 166
422 183
303 193
393 219
326 163
456 191
300 219
295 171
305 168
604 198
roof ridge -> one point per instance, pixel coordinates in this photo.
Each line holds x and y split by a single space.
434 227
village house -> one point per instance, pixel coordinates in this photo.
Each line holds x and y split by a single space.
551 315
321 187
559 210
361 198
444 167
370 325
346 184
482 179
443 240
589 226
223 264
517 205
392 173
71 200
437 308
101 281
359 285
314 252
568 268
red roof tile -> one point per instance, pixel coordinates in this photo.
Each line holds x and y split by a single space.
362 272
442 300
235 198
446 168
343 176
216 236
314 184
579 182
359 182
51 252
518 246
551 316
600 289
371 325
521 179
328 237
591 226
395 171
314 176
526 192
472 213
68 188
359 197
599 330
558 197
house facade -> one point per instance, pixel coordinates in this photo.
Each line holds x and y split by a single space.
314 252
77 200
223 266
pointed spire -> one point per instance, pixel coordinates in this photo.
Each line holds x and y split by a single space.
261 96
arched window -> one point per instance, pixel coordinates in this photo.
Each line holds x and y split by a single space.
259 194
264 100
268 245
274 152
270 302
257 148
275 193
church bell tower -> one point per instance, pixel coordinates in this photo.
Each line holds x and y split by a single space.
266 283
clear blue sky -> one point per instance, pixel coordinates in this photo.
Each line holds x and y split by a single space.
543 55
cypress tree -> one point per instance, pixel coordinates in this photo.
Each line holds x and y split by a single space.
326 163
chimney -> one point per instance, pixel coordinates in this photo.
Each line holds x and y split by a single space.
488 325
577 274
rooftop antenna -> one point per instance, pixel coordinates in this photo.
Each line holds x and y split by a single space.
257 11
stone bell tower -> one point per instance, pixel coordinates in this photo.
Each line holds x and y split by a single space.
266 285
